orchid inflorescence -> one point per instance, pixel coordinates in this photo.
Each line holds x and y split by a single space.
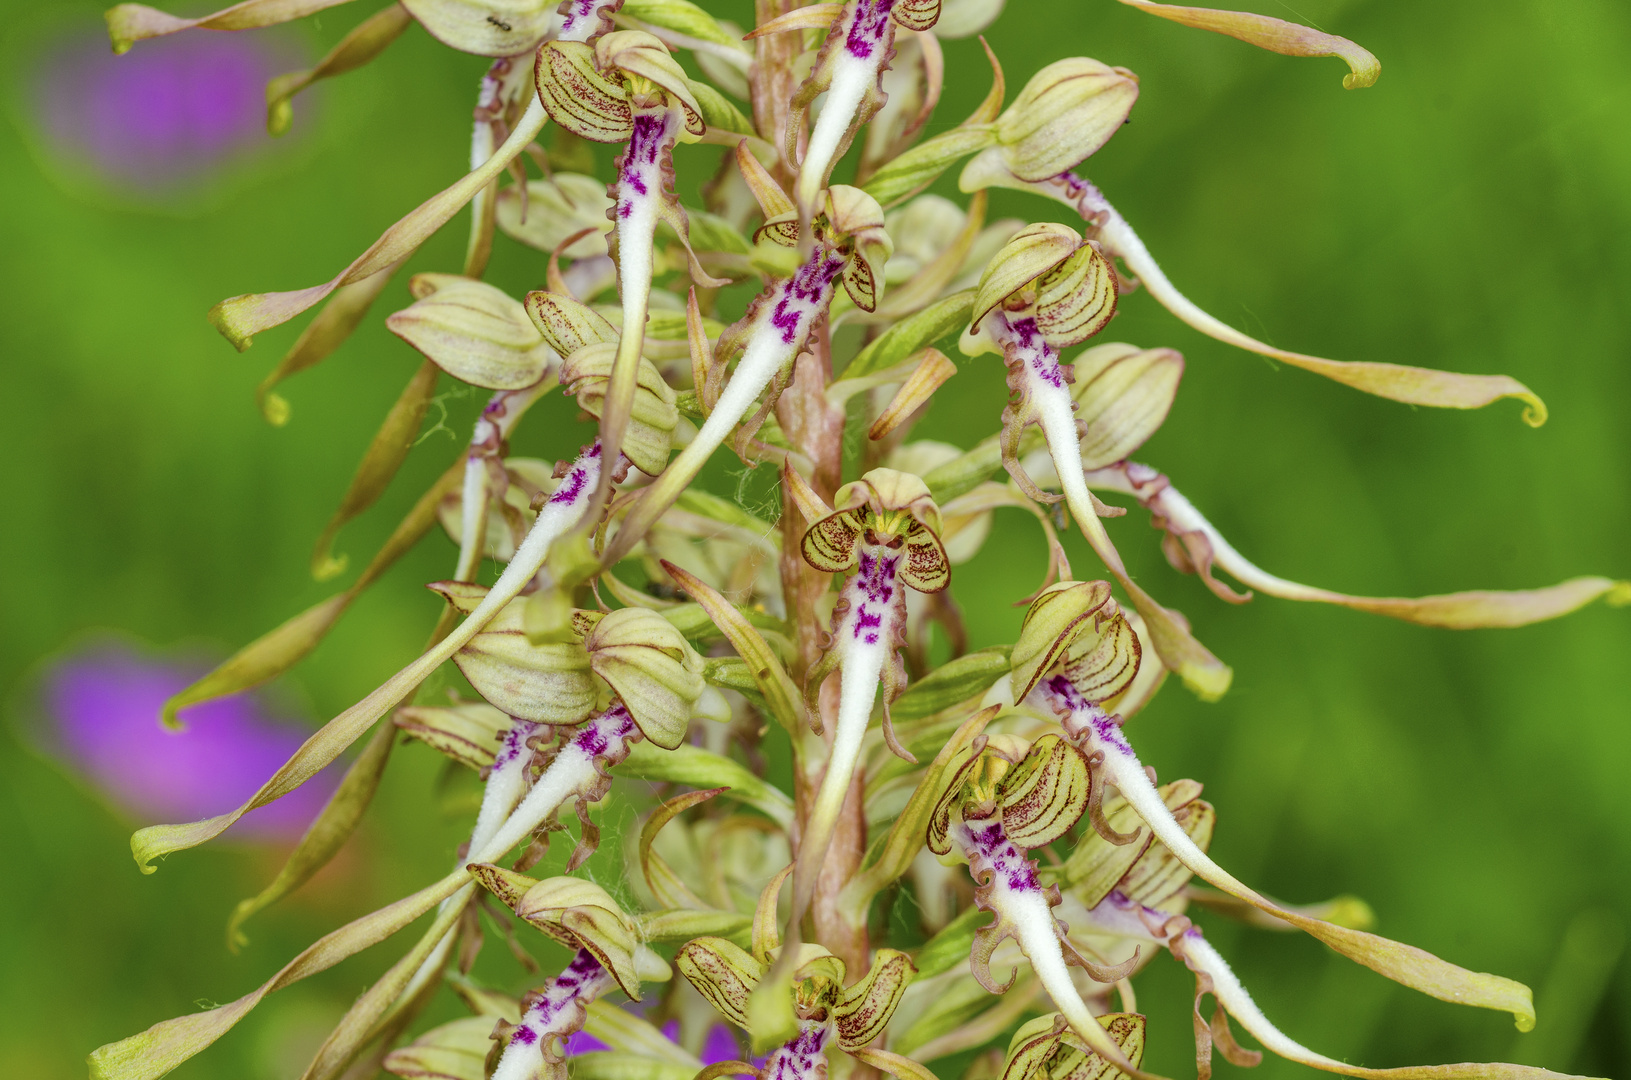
633 606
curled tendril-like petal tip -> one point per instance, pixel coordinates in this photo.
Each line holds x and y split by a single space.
1275 35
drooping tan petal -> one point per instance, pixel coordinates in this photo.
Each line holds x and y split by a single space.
359 47
1404 964
334 737
1275 35
240 318
263 659
928 376
380 462
130 23
369 1015
166 1045
1397 382
283 647
1454 611
1201 957
326 835
342 314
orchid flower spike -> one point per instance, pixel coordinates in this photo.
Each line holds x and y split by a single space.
1075 655
885 535
635 597
828 1012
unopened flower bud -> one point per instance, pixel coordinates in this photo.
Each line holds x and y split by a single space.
544 683
1050 274
1123 394
474 332
1076 624
581 915
1046 1047
554 210
653 415
651 666
1065 113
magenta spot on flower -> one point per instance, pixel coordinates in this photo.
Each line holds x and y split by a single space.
102 706
870 31
524 1035
169 111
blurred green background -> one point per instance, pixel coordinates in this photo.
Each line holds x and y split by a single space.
1470 212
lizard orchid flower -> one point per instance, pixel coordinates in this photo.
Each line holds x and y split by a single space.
885 536
829 1014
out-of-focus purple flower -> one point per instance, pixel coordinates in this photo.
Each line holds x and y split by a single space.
101 709
719 1045
581 1042
165 113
